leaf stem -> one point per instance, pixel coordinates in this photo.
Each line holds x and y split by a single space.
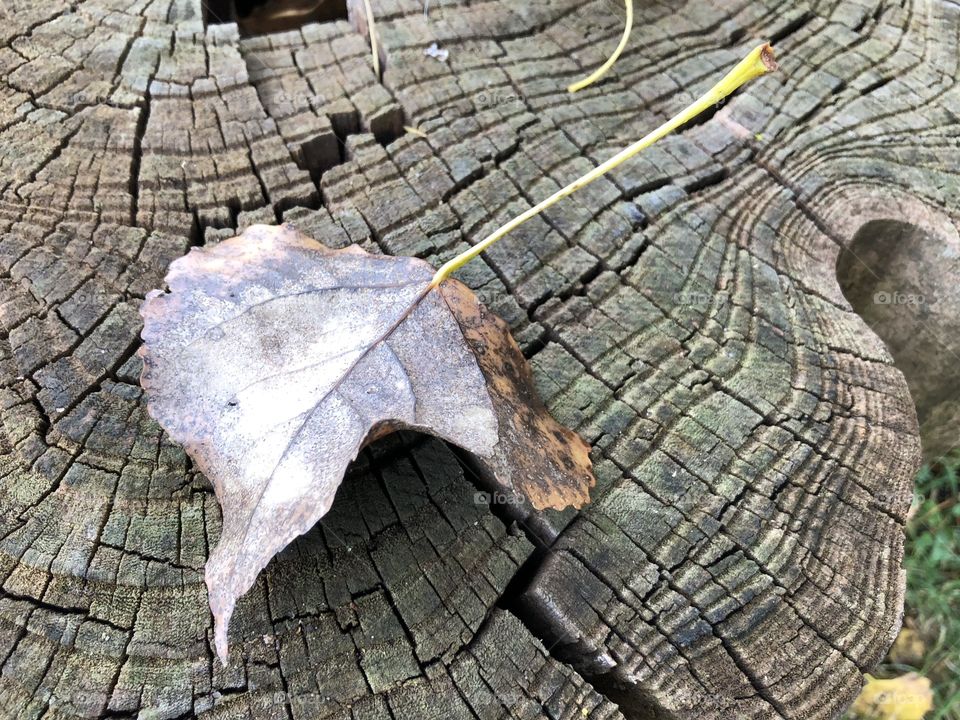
601 71
759 61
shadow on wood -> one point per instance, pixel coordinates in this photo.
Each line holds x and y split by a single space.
902 280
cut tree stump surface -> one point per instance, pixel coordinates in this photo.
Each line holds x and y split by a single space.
754 443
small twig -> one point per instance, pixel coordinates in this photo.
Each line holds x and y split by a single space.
601 71
372 31
758 62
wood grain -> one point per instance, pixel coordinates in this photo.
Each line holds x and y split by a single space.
754 442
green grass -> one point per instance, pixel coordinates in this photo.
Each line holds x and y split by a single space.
933 581
932 562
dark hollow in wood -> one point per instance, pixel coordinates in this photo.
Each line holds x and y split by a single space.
259 17
902 280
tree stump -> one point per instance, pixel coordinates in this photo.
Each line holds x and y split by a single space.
753 440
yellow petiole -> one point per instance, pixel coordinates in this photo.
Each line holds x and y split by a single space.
601 71
758 62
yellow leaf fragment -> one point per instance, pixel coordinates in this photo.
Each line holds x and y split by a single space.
907 697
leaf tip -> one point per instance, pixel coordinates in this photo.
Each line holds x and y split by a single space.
222 598
220 641
222 608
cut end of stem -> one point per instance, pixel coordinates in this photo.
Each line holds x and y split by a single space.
758 61
768 58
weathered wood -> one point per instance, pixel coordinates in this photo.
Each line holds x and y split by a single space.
899 273
754 441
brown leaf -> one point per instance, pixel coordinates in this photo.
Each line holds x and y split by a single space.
273 360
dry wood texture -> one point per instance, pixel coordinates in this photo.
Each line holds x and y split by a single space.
753 440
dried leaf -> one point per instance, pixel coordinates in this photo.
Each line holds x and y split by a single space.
907 697
273 360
